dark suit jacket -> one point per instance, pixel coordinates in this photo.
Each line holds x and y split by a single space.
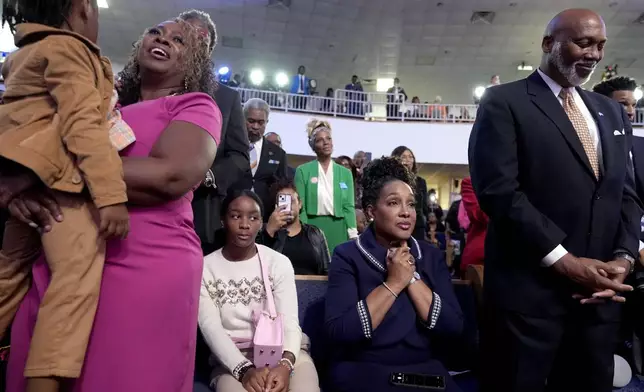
291 173
271 168
638 163
231 164
534 180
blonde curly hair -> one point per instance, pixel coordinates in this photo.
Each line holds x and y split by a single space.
197 65
313 127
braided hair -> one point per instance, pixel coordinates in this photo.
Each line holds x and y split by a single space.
200 74
52 13
379 173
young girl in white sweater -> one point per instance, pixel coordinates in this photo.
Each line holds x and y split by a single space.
232 288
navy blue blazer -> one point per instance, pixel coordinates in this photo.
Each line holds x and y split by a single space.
357 268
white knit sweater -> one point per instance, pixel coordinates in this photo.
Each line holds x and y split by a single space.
231 290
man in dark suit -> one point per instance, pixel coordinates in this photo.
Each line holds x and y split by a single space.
277 140
267 161
231 164
550 166
622 90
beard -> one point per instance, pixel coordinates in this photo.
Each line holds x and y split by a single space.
568 72
254 137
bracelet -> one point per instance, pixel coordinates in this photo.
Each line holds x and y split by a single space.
390 290
287 363
241 371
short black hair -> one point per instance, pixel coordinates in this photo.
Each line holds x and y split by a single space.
52 13
618 83
379 173
398 151
280 185
236 194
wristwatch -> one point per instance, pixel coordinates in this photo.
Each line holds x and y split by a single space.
209 181
627 257
414 278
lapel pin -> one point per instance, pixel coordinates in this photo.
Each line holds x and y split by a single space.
600 114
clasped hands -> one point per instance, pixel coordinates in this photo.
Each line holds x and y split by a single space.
267 380
602 281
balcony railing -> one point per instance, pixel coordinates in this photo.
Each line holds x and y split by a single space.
372 106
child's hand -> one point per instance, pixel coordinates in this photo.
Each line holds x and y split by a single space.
115 221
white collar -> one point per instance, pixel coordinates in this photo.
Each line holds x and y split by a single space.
259 144
554 86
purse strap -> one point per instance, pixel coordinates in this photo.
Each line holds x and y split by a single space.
267 287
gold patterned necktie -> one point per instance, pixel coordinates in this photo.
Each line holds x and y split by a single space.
581 126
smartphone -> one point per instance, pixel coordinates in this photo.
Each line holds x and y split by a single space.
284 201
423 381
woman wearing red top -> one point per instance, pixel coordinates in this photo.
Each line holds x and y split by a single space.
474 250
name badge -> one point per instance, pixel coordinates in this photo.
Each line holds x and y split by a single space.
273 162
343 186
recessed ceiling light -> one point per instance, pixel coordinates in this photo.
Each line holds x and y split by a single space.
103 4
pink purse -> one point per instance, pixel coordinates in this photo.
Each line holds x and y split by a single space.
268 340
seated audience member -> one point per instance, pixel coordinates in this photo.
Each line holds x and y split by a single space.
232 288
303 244
389 296
436 231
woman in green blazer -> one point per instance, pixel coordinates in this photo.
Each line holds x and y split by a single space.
326 189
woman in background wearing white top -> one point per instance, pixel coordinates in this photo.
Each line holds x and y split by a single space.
232 287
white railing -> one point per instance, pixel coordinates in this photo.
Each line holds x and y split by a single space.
372 106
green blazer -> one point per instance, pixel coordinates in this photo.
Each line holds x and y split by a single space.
343 192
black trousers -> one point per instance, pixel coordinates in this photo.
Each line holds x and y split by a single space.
521 353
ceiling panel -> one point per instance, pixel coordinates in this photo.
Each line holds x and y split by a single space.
374 38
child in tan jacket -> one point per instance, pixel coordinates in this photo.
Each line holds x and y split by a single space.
58 120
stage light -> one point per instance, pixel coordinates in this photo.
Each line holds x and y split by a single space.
257 77
6 40
223 71
638 93
478 92
281 79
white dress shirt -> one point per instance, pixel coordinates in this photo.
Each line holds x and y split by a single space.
300 84
258 147
325 196
325 191
559 252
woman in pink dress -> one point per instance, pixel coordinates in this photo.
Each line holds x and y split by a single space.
145 327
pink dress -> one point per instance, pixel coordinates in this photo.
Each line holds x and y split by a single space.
145 328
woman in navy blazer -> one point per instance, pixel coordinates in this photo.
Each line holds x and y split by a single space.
389 295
